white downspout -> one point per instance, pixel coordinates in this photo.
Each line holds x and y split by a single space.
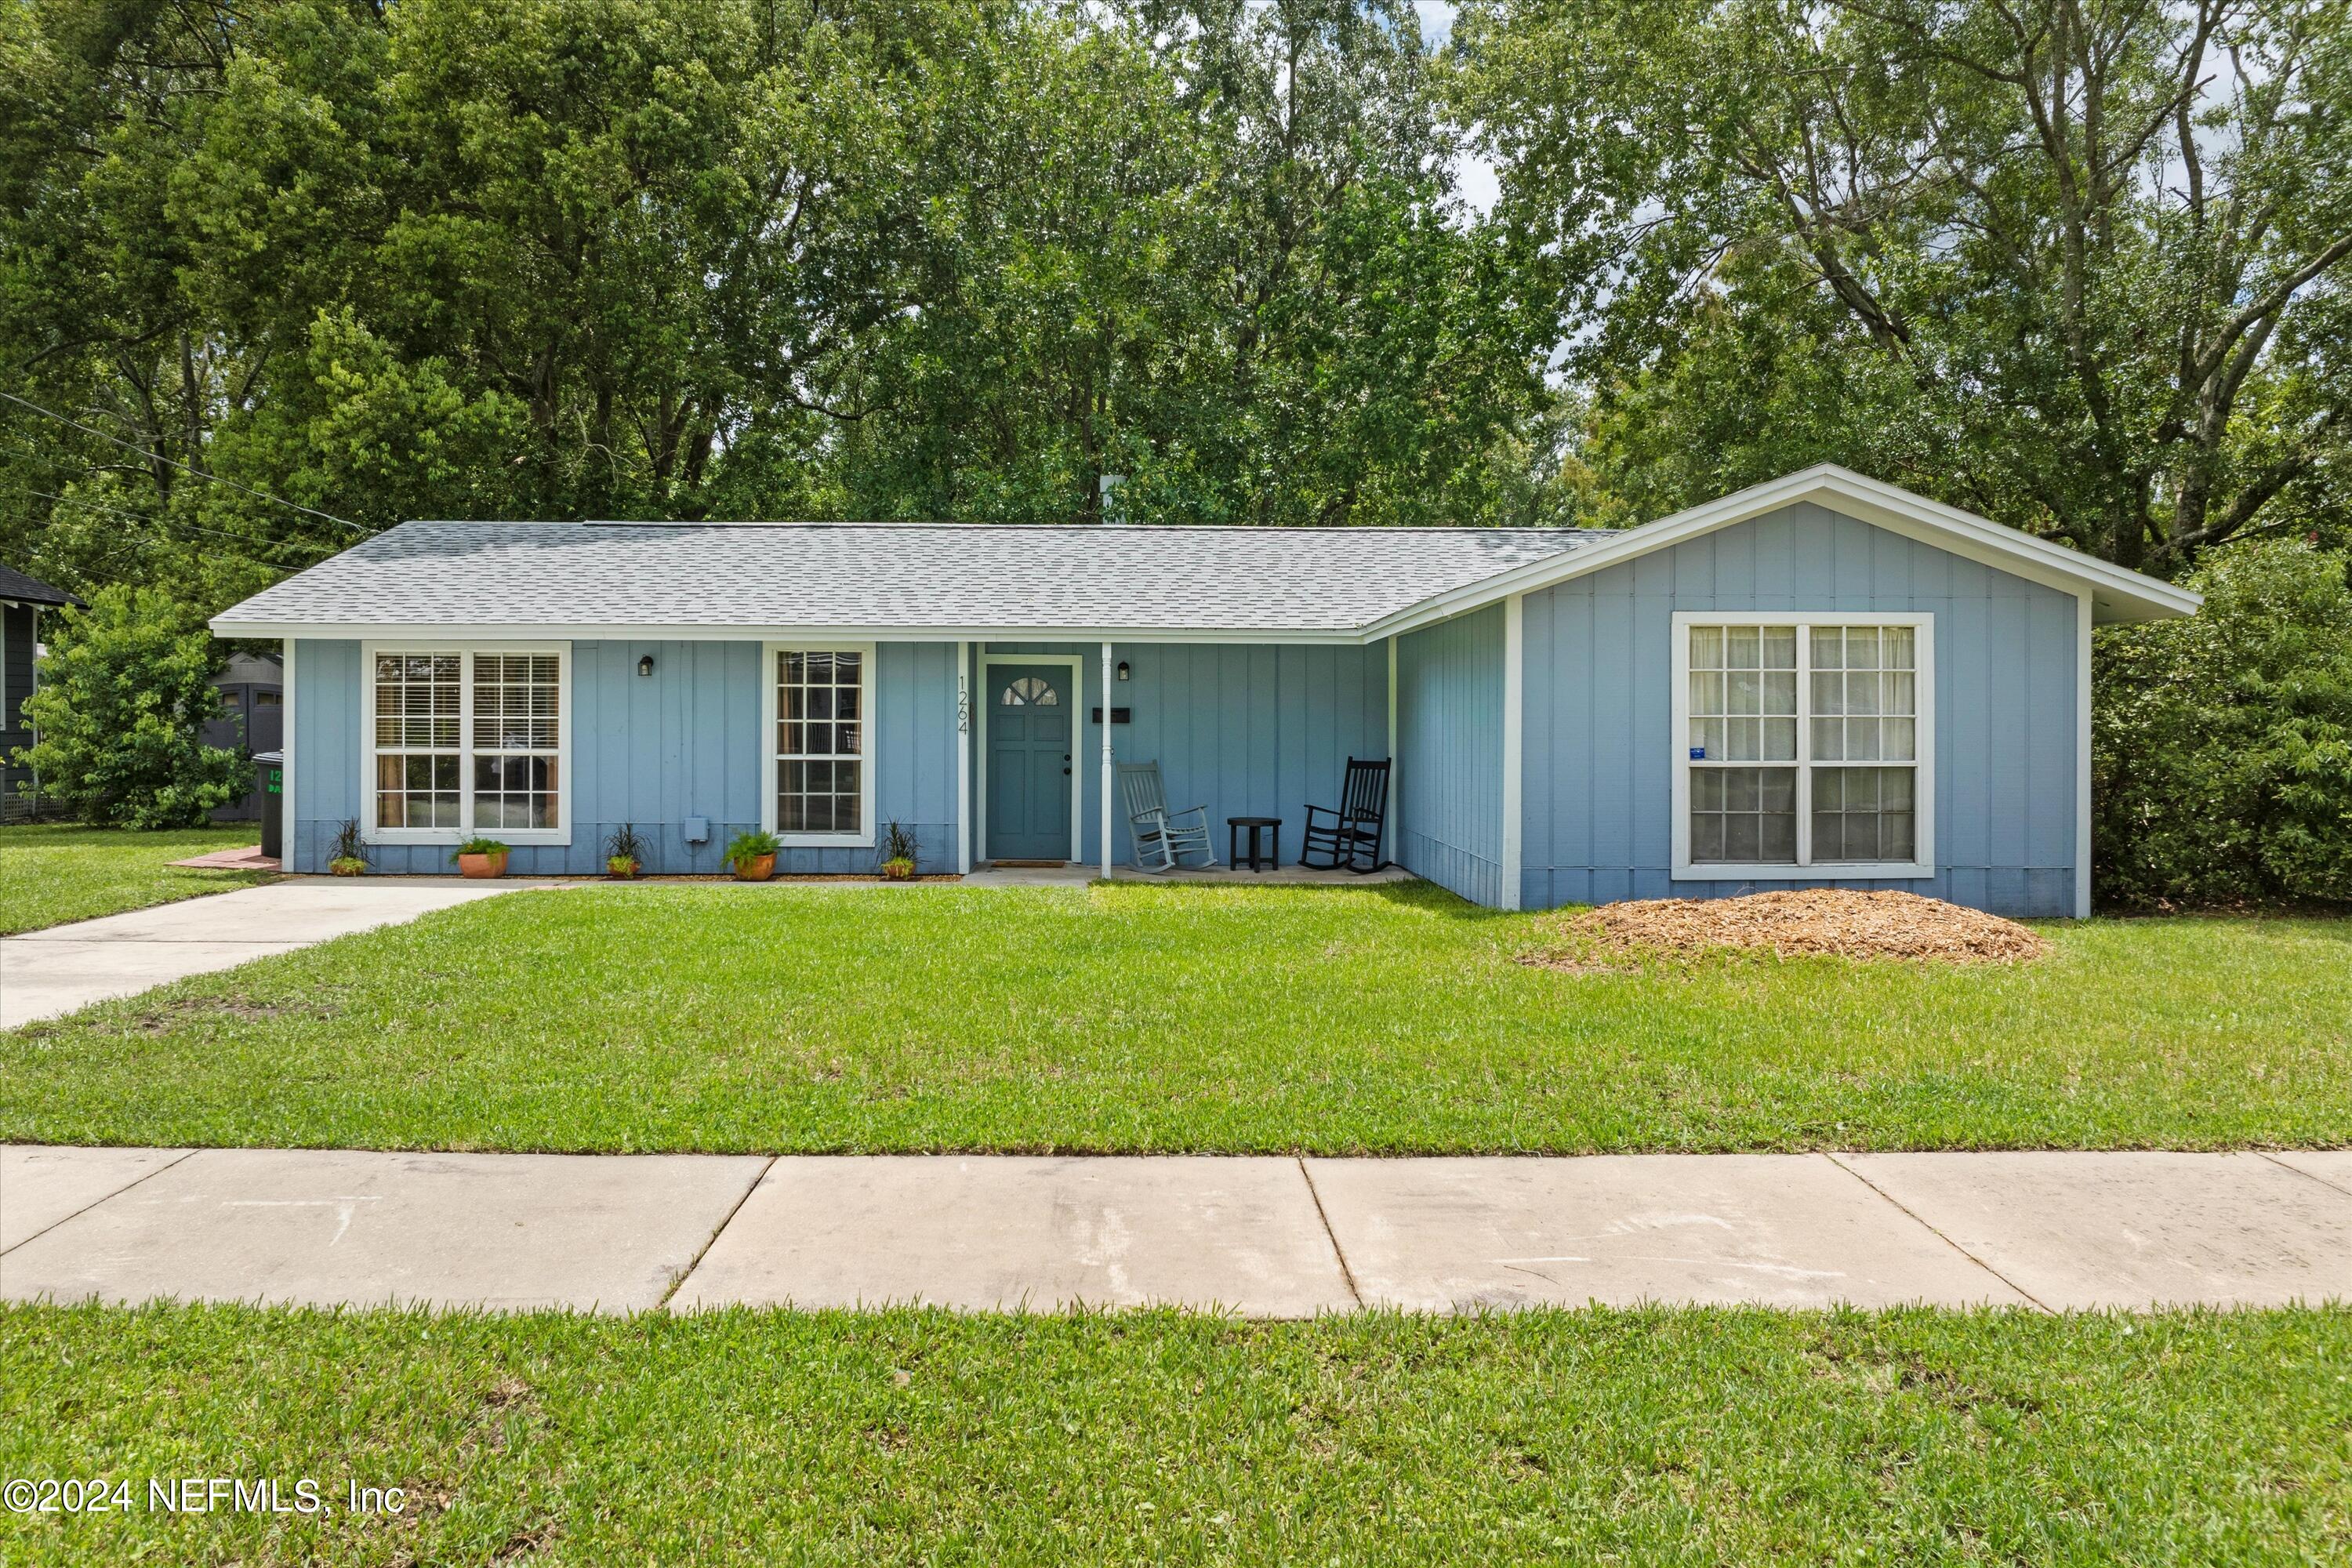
289 820
1105 760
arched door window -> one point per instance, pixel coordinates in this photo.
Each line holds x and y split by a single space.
1030 691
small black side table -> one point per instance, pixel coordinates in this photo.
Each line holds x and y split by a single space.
1256 824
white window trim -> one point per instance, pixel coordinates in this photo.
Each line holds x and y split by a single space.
466 650
1806 869
1077 665
869 729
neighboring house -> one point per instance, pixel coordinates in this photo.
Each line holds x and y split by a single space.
252 690
21 600
1823 679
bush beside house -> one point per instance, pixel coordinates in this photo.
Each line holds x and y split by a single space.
126 688
2221 745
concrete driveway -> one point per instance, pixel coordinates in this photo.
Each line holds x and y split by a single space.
46 973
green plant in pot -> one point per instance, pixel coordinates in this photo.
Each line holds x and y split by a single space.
625 852
752 855
350 856
899 852
482 857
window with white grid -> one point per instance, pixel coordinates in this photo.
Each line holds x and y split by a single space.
516 768
419 719
1802 743
822 777
467 742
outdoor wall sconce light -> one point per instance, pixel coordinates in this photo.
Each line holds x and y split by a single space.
1122 669
646 665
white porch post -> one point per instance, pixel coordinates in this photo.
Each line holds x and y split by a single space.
1394 827
1515 646
1106 760
963 758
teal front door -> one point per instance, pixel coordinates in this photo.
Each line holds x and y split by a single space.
1029 762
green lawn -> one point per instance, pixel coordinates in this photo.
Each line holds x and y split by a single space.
1654 1437
1152 1017
50 874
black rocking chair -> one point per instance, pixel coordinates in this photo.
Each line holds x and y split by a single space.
1351 836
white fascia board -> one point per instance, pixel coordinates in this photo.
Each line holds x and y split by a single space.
2118 593
471 632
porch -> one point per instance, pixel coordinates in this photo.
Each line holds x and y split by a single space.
1239 729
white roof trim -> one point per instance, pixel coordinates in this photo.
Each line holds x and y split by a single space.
471 632
2117 593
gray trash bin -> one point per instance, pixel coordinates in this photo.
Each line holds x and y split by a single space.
270 781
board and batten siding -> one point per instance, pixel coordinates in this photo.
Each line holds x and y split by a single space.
653 751
1246 729
1450 753
1596 820
16 648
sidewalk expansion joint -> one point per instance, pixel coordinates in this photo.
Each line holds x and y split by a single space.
143 1175
2299 1171
1913 1214
715 1232
1345 1273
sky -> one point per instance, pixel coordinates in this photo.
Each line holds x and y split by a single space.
1474 178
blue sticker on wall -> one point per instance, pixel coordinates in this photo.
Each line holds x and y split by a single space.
1698 753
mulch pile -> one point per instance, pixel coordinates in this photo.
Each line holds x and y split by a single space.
1813 920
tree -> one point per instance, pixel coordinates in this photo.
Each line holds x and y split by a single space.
2221 745
2078 265
124 694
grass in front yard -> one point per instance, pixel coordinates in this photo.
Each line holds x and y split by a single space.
52 873
905 1437
1127 1017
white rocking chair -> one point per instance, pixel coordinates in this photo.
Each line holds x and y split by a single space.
1162 837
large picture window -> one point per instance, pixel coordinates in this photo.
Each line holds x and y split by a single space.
821 774
1801 745
465 741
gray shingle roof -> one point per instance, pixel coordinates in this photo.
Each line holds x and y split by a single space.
15 585
891 576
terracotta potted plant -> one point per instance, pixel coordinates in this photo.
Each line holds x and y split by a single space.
899 852
482 857
624 854
351 857
753 857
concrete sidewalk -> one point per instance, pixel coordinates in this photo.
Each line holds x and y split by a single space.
1261 1237
46 973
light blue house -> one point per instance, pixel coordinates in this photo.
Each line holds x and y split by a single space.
1821 680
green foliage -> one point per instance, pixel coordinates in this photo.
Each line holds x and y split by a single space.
750 846
481 847
2080 269
124 694
898 843
610 257
2221 745
625 844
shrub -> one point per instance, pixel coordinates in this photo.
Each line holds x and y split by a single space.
2221 745
124 697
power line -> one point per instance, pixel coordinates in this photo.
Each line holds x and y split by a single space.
167 522
200 473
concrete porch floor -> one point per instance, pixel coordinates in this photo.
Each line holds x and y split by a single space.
1078 876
